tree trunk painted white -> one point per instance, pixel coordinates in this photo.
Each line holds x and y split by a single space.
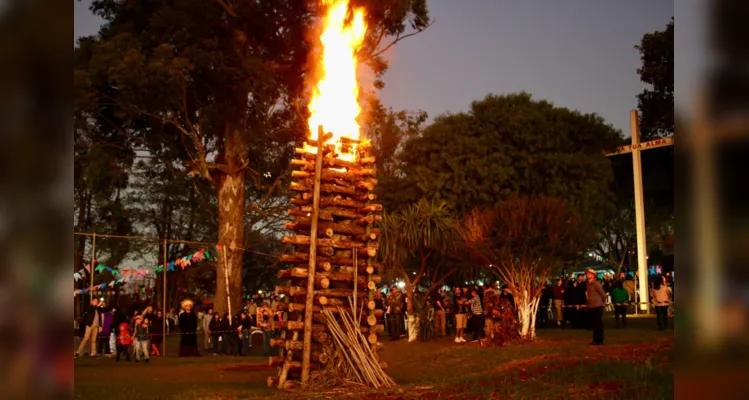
527 308
413 328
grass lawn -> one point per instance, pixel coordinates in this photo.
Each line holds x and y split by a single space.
636 363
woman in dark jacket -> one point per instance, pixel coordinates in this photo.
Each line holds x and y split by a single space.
215 327
157 332
227 335
570 301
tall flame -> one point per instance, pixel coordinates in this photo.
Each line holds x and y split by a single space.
334 103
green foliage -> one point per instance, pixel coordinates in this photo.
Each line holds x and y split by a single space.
507 145
421 228
656 104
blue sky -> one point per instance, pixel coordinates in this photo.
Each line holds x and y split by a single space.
575 53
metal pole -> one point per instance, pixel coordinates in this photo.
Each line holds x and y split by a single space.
639 212
163 306
307 349
93 258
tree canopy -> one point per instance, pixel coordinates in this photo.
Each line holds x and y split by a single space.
656 103
507 145
216 90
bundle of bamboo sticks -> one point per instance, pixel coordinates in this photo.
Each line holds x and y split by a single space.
361 359
332 264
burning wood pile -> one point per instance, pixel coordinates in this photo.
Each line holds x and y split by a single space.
334 249
332 267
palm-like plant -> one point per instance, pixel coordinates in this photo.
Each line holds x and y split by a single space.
411 237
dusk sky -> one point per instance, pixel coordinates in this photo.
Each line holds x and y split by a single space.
575 53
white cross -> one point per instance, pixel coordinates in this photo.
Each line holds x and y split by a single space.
635 148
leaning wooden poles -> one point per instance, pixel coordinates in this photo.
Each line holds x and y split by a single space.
332 263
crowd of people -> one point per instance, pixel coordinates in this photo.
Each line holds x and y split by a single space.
577 302
109 332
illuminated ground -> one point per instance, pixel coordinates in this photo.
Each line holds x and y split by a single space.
634 363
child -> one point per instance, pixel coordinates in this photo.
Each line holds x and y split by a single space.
142 337
123 341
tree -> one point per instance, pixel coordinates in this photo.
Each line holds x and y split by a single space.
411 240
616 236
524 241
656 104
507 145
216 90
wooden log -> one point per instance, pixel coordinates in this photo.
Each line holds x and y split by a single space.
369 184
367 252
372 320
367 160
371 208
365 197
320 337
275 361
373 329
330 301
330 201
301 258
338 228
371 305
298 345
316 316
372 338
367 269
325 137
340 276
366 237
317 356
296 326
297 365
322 282
299 213
337 211
304 240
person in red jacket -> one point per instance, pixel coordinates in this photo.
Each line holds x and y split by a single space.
124 338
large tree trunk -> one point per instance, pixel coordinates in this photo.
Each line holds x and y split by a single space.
231 225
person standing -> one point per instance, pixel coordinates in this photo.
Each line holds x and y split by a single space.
460 315
123 341
394 303
620 298
596 300
107 325
661 298
215 327
477 315
491 308
157 332
92 322
265 322
207 317
245 330
439 320
171 320
558 299
142 338
188 327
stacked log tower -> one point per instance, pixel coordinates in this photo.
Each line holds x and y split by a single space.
333 260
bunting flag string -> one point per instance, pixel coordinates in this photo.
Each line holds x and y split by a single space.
126 275
107 288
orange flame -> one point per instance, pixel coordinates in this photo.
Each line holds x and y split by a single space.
334 103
